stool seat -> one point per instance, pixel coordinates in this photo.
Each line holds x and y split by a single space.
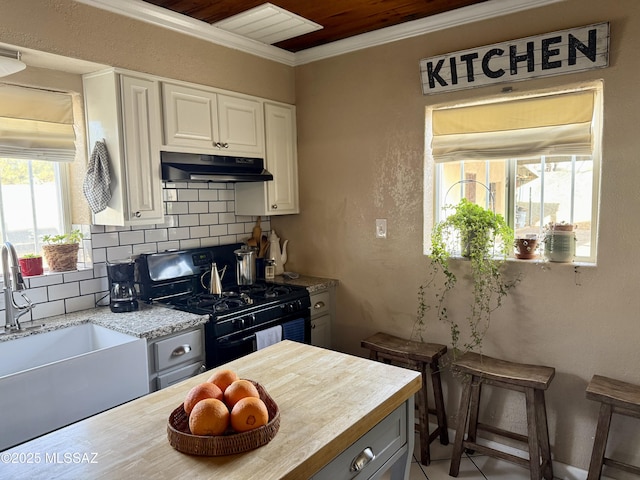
532 380
531 376
615 396
418 356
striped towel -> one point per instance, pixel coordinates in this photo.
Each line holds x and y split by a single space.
293 330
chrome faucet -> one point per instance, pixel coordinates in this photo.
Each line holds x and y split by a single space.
13 282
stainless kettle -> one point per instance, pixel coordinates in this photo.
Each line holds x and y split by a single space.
245 265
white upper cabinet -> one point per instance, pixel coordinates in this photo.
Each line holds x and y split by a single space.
279 196
202 121
124 111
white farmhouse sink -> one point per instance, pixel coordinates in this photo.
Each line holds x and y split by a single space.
51 379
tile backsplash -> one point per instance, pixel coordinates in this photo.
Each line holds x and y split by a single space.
196 215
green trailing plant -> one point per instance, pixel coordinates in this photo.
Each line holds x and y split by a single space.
486 240
75 236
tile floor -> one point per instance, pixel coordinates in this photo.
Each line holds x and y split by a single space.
476 467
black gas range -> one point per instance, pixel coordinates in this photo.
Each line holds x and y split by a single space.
240 316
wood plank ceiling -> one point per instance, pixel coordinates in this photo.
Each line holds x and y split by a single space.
340 18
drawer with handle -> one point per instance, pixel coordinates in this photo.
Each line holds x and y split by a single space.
370 452
179 349
320 303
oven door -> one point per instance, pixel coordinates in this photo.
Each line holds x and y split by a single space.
223 349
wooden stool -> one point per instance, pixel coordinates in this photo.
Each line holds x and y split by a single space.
615 397
417 356
532 380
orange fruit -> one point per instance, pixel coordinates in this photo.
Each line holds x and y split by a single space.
209 417
200 392
249 413
239 390
223 378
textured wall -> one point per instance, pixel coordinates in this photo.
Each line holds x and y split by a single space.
361 141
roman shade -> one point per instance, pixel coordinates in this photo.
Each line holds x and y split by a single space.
558 124
36 124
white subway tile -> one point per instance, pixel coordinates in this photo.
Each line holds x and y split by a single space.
131 238
209 242
99 240
228 217
119 253
198 232
78 275
187 195
198 207
64 290
209 219
49 309
208 195
219 207
237 228
77 304
189 220
227 195
178 233
177 208
218 230
44 280
145 248
164 246
94 286
170 195
192 243
99 255
37 295
159 235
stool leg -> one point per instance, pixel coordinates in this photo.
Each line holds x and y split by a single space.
454 469
373 355
532 435
423 418
474 411
543 435
600 442
439 402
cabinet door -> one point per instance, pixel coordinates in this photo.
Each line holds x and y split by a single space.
190 117
321 331
279 196
241 126
141 123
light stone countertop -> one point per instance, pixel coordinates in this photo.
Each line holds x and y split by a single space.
149 321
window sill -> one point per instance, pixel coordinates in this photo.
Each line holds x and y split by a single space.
538 261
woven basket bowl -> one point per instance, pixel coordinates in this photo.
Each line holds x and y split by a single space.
181 438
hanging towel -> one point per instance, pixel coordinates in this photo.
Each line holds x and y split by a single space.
268 336
294 330
97 180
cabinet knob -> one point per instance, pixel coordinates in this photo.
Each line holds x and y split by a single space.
274 207
137 214
362 459
318 305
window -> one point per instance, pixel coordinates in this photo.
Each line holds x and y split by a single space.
534 160
37 139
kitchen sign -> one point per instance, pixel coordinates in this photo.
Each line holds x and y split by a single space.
557 53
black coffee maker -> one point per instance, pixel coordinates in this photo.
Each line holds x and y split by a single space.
121 286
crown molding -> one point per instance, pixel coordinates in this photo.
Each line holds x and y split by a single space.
161 17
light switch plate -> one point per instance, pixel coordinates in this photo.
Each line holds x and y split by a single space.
381 228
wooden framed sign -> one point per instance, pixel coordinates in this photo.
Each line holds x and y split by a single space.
556 53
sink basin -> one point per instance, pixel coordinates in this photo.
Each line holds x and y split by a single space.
51 379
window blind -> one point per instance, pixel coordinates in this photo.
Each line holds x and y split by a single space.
36 124
549 125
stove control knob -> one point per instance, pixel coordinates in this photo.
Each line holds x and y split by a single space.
243 322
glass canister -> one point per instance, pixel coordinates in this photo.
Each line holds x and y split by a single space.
560 245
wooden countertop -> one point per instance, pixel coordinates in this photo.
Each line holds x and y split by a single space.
327 401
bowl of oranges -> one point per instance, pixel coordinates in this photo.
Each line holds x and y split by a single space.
223 416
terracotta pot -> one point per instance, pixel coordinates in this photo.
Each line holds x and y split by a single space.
62 257
526 248
31 266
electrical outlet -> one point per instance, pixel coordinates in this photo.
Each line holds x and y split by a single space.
381 228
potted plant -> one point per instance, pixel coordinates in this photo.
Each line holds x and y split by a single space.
61 251
560 242
485 239
31 264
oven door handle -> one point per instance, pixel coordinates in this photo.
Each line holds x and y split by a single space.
235 343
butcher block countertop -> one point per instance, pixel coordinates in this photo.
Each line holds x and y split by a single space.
327 401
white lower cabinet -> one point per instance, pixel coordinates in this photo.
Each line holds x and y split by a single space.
374 453
176 357
322 313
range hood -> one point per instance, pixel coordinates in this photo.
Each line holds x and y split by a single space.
196 167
